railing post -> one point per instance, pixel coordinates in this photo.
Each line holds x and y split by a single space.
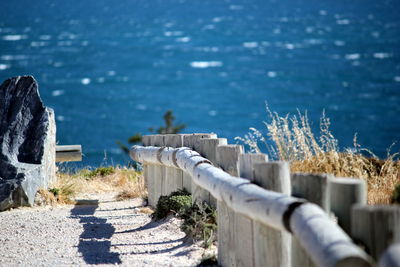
159 171
207 147
391 257
148 174
345 192
314 188
375 227
246 164
228 160
192 141
173 177
244 228
272 247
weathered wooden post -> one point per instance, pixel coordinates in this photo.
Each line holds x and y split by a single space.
376 227
191 141
391 257
246 164
314 188
228 160
207 147
244 229
148 174
159 171
272 247
345 192
173 176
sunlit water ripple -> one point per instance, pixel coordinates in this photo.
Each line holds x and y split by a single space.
112 69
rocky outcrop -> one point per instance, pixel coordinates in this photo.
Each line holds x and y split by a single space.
27 142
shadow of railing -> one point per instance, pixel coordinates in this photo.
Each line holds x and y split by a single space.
94 249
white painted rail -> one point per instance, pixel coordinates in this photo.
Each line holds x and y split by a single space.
325 242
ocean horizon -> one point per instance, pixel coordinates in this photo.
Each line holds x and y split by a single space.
112 69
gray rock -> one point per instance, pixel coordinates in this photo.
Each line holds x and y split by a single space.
27 142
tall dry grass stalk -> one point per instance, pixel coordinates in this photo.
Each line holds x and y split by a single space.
126 183
293 141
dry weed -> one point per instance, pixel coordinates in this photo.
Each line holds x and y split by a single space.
126 183
45 197
380 175
293 141
146 210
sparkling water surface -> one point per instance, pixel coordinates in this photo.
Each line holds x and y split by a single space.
112 68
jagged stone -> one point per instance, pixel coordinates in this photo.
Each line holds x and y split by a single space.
27 142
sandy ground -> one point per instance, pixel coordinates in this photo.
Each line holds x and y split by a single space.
108 232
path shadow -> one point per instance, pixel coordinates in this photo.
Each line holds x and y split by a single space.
159 251
149 225
152 243
94 249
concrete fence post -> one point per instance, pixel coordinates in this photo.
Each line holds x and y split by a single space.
314 188
345 192
375 227
272 247
228 248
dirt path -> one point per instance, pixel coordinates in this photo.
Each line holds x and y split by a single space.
107 233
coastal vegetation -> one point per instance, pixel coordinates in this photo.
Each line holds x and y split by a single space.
125 182
199 220
291 138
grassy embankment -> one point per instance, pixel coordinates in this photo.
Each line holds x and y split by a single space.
126 183
290 138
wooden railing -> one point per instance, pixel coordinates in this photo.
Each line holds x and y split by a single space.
269 217
68 153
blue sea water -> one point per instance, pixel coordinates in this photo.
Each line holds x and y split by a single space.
112 68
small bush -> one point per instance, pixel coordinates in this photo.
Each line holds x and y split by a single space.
62 194
200 223
177 202
55 191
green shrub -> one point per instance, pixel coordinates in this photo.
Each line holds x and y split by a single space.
101 171
55 191
177 202
200 223
64 193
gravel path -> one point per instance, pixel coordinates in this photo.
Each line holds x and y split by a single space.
107 233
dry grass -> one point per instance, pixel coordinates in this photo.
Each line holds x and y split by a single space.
293 141
146 210
126 183
380 175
